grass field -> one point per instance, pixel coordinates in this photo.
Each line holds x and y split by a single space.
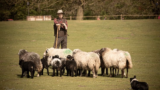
140 37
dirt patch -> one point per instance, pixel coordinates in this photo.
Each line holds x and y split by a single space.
121 37
81 86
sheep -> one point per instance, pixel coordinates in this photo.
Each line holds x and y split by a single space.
45 64
47 56
71 66
119 59
102 64
128 57
27 66
86 61
25 59
57 64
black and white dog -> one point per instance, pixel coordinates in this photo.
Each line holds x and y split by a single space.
136 85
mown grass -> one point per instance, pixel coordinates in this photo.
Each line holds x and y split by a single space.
140 37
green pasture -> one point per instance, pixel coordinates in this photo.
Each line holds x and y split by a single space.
140 37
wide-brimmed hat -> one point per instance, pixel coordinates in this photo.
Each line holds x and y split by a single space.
59 11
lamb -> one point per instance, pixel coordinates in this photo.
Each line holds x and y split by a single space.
87 61
71 66
47 56
27 66
45 64
30 61
57 64
116 60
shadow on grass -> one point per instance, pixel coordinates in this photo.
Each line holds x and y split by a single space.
18 75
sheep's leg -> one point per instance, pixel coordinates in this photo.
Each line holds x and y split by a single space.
122 72
93 71
110 72
61 72
127 73
67 72
53 72
47 70
22 73
117 72
28 74
57 71
102 71
89 73
85 72
106 71
113 71
72 72
32 73
96 72
80 72
42 70
76 73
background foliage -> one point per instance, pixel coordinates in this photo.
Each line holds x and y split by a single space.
18 9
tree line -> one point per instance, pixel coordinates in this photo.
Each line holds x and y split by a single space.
18 9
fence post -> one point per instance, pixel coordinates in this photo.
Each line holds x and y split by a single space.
121 17
70 17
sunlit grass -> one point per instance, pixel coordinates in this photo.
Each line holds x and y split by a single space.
140 37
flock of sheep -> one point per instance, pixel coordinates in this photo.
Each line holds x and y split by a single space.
76 62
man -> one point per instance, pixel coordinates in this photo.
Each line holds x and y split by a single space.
62 31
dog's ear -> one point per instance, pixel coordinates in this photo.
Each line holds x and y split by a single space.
134 76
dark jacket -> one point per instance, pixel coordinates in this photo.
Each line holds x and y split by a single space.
62 32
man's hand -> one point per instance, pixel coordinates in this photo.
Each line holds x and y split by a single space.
65 25
58 26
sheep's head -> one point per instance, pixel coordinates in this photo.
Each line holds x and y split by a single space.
76 50
69 58
56 61
22 52
46 52
115 49
102 50
56 56
40 67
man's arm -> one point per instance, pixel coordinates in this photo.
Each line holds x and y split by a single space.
56 22
65 24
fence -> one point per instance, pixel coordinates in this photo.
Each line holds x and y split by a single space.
106 17
39 18
116 17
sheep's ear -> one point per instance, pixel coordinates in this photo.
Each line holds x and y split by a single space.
134 76
69 56
52 57
103 49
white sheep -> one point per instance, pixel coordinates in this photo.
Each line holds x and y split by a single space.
87 61
47 56
128 57
119 59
